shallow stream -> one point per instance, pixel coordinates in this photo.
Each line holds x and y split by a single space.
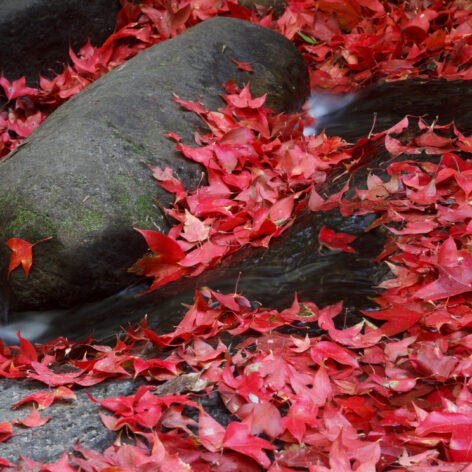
292 264
267 276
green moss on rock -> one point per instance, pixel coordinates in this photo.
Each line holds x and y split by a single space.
29 224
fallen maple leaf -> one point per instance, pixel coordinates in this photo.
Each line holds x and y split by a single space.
52 379
281 210
348 12
336 241
238 438
325 349
27 353
5 463
163 264
166 249
243 65
17 88
194 229
455 273
22 254
458 424
46 399
6 431
33 419
210 432
244 99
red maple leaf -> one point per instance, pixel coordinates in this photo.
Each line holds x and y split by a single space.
17 88
238 438
22 254
6 431
459 424
455 273
46 399
336 241
243 65
33 420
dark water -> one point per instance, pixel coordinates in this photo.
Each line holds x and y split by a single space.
294 263
380 107
267 276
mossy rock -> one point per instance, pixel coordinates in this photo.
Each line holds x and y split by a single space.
83 179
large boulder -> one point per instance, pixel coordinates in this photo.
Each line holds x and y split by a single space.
82 177
36 34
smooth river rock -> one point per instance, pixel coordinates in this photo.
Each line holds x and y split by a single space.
82 177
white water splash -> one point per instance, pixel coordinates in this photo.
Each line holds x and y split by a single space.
32 327
322 104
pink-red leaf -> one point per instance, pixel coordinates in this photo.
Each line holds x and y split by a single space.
46 399
238 438
167 250
33 419
336 241
6 431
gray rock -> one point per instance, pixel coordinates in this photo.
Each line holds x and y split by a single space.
82 177
36 34
79 420
70 420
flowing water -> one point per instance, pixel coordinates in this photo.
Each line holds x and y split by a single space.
267 276
323 104
293 263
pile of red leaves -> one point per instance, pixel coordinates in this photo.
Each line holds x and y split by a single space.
261 173
392 395
346 43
